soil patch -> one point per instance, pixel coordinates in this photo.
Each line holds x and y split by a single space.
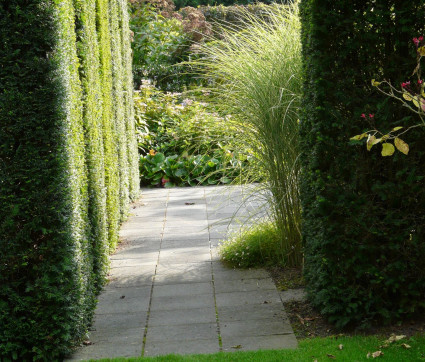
307 322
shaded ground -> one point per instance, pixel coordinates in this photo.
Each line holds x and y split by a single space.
308 322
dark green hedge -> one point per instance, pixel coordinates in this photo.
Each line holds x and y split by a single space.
59 214
364 215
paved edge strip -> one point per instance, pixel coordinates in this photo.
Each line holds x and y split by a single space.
145 333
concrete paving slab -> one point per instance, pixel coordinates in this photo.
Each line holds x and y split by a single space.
183 273
245 285
251 311
137 252
117 323
182 316
192 289
199 346
257 297
183 302
181 332
222 272
253 327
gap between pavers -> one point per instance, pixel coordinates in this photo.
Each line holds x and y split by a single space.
168 293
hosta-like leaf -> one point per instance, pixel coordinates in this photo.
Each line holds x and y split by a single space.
402 146
387 149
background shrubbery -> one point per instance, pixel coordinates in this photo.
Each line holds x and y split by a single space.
67 156
184 142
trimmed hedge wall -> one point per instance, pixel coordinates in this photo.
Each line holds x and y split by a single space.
59 209
364 215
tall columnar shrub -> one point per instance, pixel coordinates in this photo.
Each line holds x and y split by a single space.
364 215
118 103
132 148
109 126
55 81
88 53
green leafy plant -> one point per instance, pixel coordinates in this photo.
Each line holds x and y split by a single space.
183 141
257 73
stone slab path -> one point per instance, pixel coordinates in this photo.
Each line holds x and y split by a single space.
168 291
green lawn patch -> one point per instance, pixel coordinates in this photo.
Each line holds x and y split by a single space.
348 349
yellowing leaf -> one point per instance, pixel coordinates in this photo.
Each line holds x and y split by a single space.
415 102
423 93
403 147
396 129
370 142
377 354
341 347
406 346
359 137
407 97
421 51
375 83
387 149
398 338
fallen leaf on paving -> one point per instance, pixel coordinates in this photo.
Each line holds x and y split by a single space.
189 203
87 343
331 356
122 297
405 345
341 347
238 346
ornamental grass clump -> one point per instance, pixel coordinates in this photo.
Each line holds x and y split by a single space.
256 70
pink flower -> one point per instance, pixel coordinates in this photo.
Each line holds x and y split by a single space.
405 85
371 115
420 81
363 115
418 40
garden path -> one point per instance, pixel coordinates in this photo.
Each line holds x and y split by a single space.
168 291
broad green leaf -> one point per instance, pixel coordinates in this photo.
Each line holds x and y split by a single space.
158 158
375 83
387 149
407 96
402 146
359 137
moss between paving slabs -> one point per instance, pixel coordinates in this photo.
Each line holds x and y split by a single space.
320 349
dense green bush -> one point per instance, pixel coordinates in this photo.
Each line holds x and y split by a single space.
183 141
53 154
363 213
159 45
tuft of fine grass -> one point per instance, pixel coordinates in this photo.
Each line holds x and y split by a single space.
252 247
256 75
